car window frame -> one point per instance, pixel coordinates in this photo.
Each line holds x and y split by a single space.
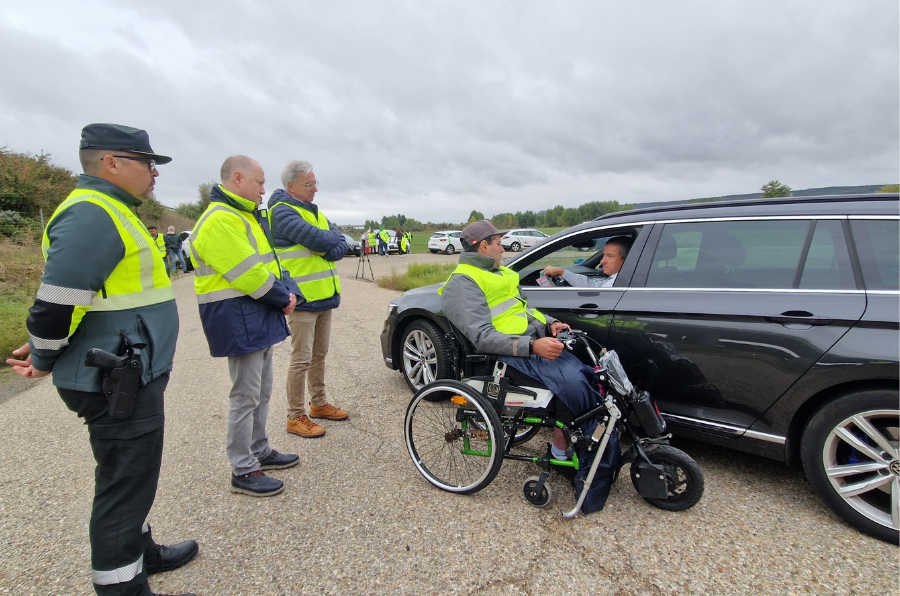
643 269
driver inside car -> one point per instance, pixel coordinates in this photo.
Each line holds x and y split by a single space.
482 300
614 253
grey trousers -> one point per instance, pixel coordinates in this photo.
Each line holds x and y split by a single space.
251 377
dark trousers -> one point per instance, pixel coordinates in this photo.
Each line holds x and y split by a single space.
128 453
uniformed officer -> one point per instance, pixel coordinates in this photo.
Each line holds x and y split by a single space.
121 297
160 242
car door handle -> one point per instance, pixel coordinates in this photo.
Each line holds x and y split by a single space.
793 317
585 308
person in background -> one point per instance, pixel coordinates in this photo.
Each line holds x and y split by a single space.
173 247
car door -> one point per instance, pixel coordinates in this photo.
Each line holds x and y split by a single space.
454 237
588 309
723 316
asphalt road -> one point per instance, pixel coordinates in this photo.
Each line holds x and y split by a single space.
357 518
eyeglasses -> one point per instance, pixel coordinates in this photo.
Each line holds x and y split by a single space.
311 184
151 163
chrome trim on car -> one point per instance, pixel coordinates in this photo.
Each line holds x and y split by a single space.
753 434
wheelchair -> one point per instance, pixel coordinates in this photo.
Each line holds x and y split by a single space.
459 432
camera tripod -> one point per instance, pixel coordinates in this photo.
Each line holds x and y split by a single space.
361 267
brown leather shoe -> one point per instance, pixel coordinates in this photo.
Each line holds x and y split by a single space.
304 427
327 411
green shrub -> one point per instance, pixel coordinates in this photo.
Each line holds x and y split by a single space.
416 276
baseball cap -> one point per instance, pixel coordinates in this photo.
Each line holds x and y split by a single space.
119 138
477 231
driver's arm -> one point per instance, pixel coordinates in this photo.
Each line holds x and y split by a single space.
582 281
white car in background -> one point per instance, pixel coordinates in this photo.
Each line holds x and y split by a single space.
516 240
446 241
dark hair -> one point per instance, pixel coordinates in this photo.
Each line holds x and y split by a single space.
623 242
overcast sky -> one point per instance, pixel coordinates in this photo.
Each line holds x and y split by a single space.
434 108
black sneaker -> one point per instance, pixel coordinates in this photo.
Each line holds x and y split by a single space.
256 484
278 461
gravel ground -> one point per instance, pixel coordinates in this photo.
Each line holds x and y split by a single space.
357 518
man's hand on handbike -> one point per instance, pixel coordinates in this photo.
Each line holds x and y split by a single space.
550 347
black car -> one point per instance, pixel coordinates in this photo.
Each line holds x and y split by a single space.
768 326
354 247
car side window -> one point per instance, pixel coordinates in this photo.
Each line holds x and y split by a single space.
729 254
878 252
582 253
827 265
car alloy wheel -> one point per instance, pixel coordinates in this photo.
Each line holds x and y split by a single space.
850 454
425 354
515 247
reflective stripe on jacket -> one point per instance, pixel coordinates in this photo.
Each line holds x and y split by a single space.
316 277
508 311
231 254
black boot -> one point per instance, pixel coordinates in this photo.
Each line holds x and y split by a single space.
159 558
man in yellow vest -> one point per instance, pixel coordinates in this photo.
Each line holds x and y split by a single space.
243 295
308 246
119 300
482 300
373 242
160 242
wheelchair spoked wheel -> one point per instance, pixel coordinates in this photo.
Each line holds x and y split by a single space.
684 479
454 437
538 499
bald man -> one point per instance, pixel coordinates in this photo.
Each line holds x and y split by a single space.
244 296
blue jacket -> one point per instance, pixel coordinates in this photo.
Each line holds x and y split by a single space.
242 325
289 229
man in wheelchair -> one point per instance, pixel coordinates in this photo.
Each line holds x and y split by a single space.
481 299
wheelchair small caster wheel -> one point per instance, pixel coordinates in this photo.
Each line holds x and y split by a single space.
538 499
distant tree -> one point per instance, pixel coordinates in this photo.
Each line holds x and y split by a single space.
401 219
506 220
203 189
30 183
371 224
775 189
527 219
475 216
570 217
150 210
189 210
413 225
890 188
390 222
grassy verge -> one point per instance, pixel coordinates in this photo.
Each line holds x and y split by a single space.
416 276
21 267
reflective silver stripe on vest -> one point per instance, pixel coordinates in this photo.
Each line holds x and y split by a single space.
118 576
503 307
295 254
40 343
314 276
256 295
127 301
66 296
241 268
218 296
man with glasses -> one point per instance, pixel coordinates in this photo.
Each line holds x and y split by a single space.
481 298
308 246
119 300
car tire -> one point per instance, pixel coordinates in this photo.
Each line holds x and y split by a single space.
424 354
515 247
188 265
850 455
450 249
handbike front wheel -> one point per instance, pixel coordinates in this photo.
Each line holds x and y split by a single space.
454 437
684 480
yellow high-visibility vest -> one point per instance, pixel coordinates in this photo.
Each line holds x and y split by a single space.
509 313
